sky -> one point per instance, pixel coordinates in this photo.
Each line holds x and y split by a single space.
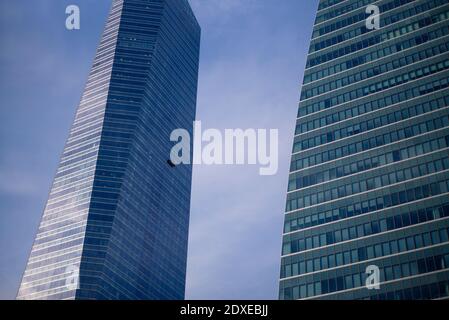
253 53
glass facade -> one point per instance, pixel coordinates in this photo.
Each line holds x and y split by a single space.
369 174
116 222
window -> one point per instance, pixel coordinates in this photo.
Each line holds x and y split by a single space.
339 257
302 267
309 266
402 245
386 248
388 272
370 252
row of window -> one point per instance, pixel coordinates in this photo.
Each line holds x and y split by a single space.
417 40
357 18
328 3
298 180
366 229
375 204
298 201
407 93
400 62
356 280
385 21
361 127
58 247
431 291
374 142
377 39
345 170
366 253
353 5
386 84
48 267
418 109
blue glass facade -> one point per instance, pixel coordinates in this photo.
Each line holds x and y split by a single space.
369 175
116 222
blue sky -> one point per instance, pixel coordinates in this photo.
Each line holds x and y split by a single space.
252 58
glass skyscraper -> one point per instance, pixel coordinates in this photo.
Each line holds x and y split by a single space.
369 176
116 222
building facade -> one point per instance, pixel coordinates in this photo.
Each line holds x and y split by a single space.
368 192
116 222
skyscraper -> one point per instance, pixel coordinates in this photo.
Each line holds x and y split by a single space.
116 222
369 178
